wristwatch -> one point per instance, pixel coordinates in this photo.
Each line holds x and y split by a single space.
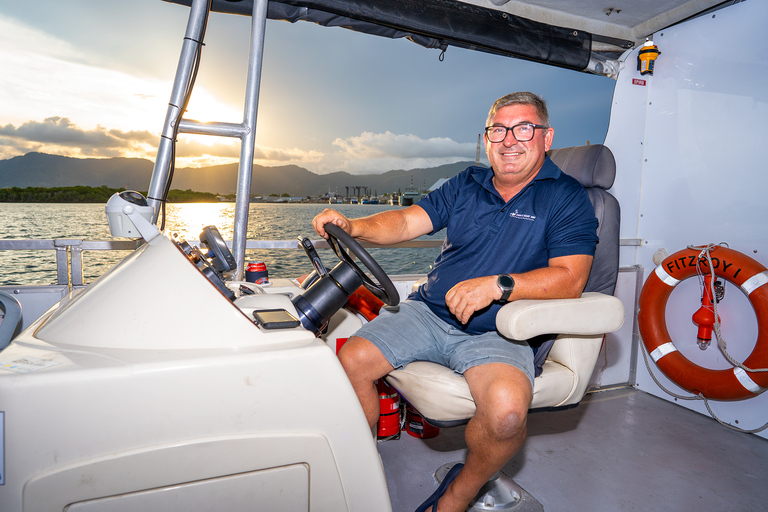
507 284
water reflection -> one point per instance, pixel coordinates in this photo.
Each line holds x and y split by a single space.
188 220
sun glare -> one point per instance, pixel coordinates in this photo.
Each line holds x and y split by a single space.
206 107
188 220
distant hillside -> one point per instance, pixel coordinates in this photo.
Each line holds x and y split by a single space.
42 170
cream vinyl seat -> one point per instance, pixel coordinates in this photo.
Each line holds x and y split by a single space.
442 396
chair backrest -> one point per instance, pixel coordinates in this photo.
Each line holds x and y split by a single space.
595 168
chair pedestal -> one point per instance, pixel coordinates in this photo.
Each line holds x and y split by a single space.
499 494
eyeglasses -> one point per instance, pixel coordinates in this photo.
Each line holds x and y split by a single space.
522 132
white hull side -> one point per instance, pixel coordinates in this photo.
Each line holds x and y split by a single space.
690 170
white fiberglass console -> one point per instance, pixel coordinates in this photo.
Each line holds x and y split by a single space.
152 390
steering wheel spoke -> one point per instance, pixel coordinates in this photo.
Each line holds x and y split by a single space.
383 288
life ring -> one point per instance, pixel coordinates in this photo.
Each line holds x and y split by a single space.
741 270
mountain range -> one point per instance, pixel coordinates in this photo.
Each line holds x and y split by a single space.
43 170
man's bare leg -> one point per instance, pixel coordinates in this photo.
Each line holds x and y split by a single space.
496 432
364 364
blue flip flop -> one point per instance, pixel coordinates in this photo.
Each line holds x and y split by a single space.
432 500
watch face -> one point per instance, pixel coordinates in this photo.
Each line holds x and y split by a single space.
506 281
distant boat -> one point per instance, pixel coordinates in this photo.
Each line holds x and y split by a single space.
375 200
333 197
365 200
409 197
353 200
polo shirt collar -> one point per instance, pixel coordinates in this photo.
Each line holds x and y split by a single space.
484 175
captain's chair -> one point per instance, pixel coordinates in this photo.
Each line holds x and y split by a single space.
442 396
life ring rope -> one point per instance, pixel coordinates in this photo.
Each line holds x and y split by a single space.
748 287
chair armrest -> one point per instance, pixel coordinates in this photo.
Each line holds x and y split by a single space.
592 313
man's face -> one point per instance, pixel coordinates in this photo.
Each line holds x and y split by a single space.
515 163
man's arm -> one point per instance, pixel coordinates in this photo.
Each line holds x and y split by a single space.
383 228
564 278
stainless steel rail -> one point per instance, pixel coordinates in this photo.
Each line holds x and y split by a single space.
245 131
69 251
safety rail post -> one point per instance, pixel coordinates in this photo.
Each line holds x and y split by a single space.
165 150
247 147
246 131
76 264
69 261
62 262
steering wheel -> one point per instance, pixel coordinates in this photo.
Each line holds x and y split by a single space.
384 289
221 259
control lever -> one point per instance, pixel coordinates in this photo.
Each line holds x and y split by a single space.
306 244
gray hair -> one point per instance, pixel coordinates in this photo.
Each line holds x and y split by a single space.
521 98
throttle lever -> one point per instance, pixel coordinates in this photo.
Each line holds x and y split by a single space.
309 248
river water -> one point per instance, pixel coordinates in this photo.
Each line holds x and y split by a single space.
265 222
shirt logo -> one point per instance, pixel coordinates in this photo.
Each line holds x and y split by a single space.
522 216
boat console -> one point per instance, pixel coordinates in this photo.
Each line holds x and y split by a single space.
159 388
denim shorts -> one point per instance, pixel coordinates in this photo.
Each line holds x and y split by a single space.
412 332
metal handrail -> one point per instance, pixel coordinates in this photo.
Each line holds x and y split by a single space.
245 131
69 251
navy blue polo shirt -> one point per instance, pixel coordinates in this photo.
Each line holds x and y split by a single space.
551 217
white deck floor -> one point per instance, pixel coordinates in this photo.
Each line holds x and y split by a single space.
620 450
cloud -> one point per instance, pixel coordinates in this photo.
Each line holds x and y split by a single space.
61 99
44 84
387 144
19 38
198 151
368 153
59 135
61 131
380 152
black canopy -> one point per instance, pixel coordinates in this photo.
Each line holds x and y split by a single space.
436 24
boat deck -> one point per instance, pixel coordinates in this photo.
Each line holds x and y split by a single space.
619 450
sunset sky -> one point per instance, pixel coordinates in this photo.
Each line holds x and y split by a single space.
92 79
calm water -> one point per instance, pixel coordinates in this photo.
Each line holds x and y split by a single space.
266 222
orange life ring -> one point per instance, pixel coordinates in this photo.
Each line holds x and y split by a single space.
741 270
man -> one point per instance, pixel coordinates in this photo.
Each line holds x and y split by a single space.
520 230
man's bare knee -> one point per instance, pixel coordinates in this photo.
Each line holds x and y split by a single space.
503 396
361 358
508 423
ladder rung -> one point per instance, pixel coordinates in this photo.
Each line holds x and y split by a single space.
214 128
